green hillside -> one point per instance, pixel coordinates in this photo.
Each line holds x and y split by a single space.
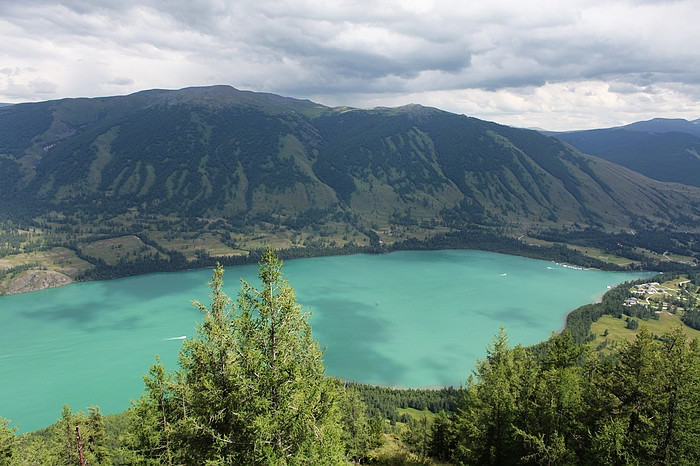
663 156
160 178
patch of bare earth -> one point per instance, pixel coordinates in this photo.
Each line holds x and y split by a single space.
34 280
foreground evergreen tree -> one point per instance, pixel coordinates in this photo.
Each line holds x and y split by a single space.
679 422
148 438
251 388
561 404
627 429
488 409
652 403
551 404
76 438
357 435
8 441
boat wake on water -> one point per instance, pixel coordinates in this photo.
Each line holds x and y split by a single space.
177 338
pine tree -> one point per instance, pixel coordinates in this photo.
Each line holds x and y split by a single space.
251 387
417 434
295 413
486 414
75 439
443 437
96 437
677 424
551 404
627 432
356 433
148 437
8 441
72 446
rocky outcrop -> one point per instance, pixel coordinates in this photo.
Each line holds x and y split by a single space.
33 280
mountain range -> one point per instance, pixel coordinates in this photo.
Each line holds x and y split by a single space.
662 149
220 170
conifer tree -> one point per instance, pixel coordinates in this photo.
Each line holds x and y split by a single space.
678 425
627 431
148 437
8 441
251 387
76 438
96 436
486 414
356 427
551 404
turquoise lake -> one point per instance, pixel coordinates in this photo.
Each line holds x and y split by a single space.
405 319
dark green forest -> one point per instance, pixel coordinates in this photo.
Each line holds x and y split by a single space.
251 389
664 154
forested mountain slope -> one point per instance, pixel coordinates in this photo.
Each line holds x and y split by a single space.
212 152
162 175
662 149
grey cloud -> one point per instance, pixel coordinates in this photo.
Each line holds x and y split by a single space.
9 71
513 47
16 91
303 47
121 81
356 48
43 86
630 88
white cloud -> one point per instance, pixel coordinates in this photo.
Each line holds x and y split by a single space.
561 65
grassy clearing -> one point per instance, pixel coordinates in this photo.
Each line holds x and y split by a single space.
278 240
417 414
113 250
394 452
618 333
666 257
597 253
190 245
59 259
46 268
588 251
603 256
679 258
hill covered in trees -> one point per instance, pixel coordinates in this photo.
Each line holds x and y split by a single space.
221 153
662 149
160 179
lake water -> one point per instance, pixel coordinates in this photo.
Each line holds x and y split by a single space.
408 319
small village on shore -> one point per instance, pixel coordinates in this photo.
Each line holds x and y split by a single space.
671 296
659 306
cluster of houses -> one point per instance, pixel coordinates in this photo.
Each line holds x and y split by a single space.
643 290
647 288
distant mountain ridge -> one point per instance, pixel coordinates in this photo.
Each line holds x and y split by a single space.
666 125
662 149
244 162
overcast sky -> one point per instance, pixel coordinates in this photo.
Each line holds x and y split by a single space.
560 64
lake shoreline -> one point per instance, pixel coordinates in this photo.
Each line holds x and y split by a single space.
40 278
406 319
